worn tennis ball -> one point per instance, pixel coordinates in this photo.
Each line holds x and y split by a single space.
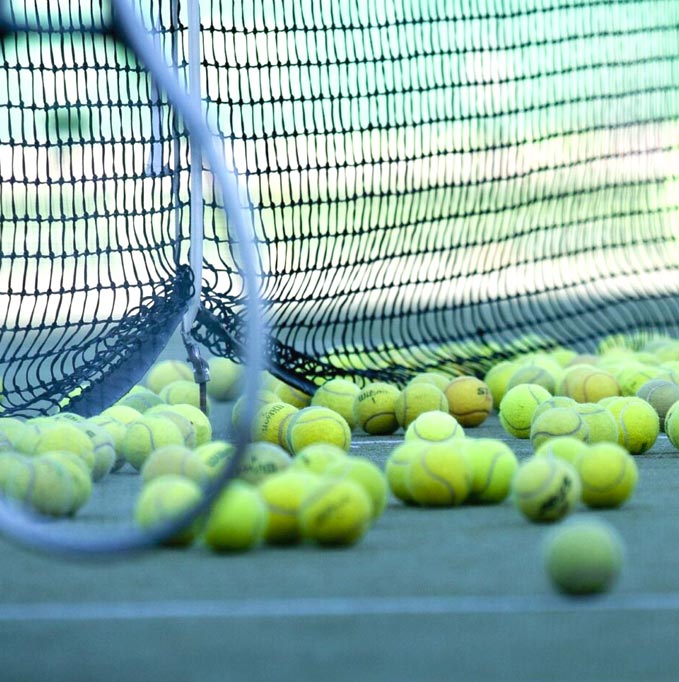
122 413
80 475
517 408
556 401
416 399
317 458
633 378
440 476
339 395
588 384
638 424
533 374
165 372
56 435
660 395
434 427
199 420
366 474
141 400
261 460
226 378
10 428
600 422
283 494
184 392
469 400
545 489
493 465
397 464
497 378
337 512
214 455
436 378
568 449
262 398
609 475
375 408
237 520
293 396
104 449
316 425
174 459
558 422
183 423
146 434
583 557
165 499
271 421
116 429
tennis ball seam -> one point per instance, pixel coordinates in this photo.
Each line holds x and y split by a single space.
616 482
489 477
542 487
437 477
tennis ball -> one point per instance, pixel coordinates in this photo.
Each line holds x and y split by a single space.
633 378
237 520
517 407
261 460
199 420
214 455
140 400
436 378
262 398
122 413
165 499
469 400
146 434
316 425
10 428
497 378
434 427
608 474
338 395
568 449
337 512
167 371
600 422
80 475
226 378
174 459
563 356
556 401
184 424
283 494
366 474
533 374
545 489
271 421
638 424
558 422
493 465
416 399
660 395
396 468
375 408
184 392
583 557
587 384
440 476
58 436
116 429
293 396
104 449
317 458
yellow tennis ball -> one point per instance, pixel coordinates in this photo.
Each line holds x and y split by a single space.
436 378
563 356
493 465
317 458
122 413
396 468
184 392
104 449
57 435
469 400
226 377
558 422
533 374
338 395
440 476
146 434
434 427
262 398
80 475
609 475
600 422
556 401
283 494
271 421
293 396
116 429
183 423
337 512
416 399
638 424
660 395
174 459
375 408
165 499
261 460
568 449
140 400
316 425
545 489
165 372
583 557
366 474
517 408
633 378
199 420
10 428
497 378
588 384
214 455
237 520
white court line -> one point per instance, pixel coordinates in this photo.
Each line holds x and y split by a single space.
350 607
365 441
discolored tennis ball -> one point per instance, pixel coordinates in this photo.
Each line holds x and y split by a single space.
338 395
558 422
469 400
434 427
184 392
440 476
533 374
497 378
638 424
583 557
609 475
588 384
337 512
556 401
140 400
80 475
436 378
166 499
262 398
104 449
293 396
122 413
317 458
214 455
417 399
226 378
146 434
116 429
545 489
183 423
199 420
600 422
167 371
568 449
237 520
493 465
174 459
518 406
633 378
316 425
271 421
375 408
262 460
396 468
366 474
660 395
